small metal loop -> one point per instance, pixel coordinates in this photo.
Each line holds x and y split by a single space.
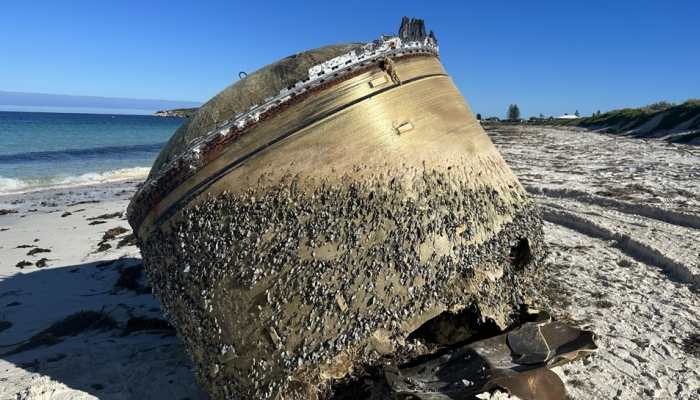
242 75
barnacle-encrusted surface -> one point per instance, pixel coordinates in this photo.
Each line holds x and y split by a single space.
278 288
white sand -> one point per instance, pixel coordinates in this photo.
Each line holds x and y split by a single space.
104 365
624 230
624 234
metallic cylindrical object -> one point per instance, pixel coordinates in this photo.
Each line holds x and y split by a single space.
292 245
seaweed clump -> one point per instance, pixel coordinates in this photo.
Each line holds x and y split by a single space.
72 325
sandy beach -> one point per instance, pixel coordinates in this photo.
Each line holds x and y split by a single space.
621 223
623 226
83 271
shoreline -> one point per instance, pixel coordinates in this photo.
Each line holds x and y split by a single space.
71 183
638 304
57 197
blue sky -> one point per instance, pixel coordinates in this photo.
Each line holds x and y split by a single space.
547 56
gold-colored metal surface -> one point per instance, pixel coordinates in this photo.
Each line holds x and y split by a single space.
320 239
377 82
348 118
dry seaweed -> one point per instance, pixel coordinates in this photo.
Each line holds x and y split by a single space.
37 250
129 279
107 216
83 202
137 324
114 232
103 247
71 325
41 263
128 240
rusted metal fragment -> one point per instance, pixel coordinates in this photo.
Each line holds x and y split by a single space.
517 361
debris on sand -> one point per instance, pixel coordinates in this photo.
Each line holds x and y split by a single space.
129 278
25 246
5 211
23 263
128 240
37 250
71 325
137 324
41 263
107 216
109 235
65 214
83 202
518 362
114 232
103 247
97 222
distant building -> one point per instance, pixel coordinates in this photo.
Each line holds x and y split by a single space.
568 116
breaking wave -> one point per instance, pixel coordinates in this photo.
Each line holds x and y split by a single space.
24 185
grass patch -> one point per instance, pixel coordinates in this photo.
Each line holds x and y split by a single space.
626 119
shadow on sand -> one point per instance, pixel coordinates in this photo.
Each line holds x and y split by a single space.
50 345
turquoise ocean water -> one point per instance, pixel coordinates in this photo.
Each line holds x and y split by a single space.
45 150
